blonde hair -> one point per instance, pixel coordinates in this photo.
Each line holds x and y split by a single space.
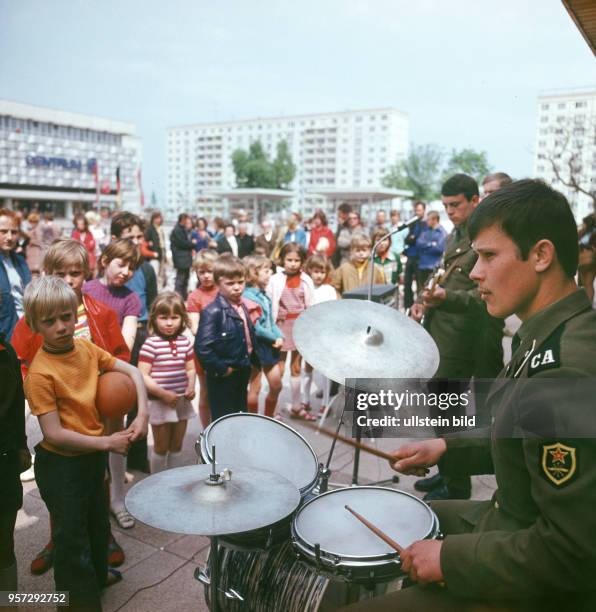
165 303
254 264
228 266
318 262
33 217
45 297
64 252
124 249
205 258
359 240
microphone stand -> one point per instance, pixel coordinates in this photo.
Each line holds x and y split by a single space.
372 335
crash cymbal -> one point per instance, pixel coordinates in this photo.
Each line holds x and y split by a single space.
360 339
180 500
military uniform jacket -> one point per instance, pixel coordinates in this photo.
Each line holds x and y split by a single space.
537 537
468 338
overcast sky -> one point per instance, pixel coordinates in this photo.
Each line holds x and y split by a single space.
466 71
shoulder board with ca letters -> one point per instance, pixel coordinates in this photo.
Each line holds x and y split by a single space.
548 355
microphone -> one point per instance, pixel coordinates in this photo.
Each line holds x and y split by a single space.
406 224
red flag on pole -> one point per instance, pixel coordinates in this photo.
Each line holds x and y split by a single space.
140 184
95 170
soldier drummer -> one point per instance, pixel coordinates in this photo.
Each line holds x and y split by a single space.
532 546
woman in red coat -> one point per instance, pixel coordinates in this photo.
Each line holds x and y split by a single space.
82 233
322 240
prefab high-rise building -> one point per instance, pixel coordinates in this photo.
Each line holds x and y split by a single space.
350 149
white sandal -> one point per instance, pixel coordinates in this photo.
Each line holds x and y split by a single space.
124 519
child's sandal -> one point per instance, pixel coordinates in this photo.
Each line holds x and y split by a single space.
124 519
300 413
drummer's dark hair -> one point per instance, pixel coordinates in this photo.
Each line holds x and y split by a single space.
528 211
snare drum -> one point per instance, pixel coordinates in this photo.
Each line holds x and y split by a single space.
257 441
333 541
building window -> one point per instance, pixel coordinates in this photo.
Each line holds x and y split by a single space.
544 107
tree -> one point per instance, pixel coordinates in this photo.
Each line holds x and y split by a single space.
239 161
568 159
419 172
467 161
253 168
283 166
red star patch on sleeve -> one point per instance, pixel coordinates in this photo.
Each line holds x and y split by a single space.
559 463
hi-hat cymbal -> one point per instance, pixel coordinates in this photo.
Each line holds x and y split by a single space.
360 339
180 500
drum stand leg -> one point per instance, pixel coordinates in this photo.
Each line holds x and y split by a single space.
326 470
214 574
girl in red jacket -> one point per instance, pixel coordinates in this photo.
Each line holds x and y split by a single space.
82 233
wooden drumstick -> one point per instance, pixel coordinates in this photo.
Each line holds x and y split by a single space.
391 542
367 449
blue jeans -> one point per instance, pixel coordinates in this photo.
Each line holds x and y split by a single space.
228 395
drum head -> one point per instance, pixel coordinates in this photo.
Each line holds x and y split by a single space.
256 441
325 521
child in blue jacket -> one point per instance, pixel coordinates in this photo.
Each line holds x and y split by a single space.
269 336
226 343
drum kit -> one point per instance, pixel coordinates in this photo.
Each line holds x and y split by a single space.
280 541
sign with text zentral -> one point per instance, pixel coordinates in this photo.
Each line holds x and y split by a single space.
40 161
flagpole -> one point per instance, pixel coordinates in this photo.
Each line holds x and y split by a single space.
96 174
118 194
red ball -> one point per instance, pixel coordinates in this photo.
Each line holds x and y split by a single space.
116 395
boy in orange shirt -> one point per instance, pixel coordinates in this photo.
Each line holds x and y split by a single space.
68 259
61 387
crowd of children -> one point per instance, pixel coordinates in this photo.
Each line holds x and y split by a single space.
241 316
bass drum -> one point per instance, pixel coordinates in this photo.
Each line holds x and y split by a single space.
277 581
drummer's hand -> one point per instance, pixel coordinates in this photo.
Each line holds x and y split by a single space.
422 561
411 457
434 298
417 312
278 343
229 371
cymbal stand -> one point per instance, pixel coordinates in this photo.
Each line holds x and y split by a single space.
374 337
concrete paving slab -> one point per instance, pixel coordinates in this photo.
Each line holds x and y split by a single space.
179 592
154 569
189 547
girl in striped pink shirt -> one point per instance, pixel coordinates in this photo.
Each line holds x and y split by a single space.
167 364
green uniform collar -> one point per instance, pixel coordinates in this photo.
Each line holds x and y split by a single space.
540 326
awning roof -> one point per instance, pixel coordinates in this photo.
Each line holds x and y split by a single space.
362 194
583 13
252 193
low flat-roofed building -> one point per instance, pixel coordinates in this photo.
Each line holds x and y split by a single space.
63 162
